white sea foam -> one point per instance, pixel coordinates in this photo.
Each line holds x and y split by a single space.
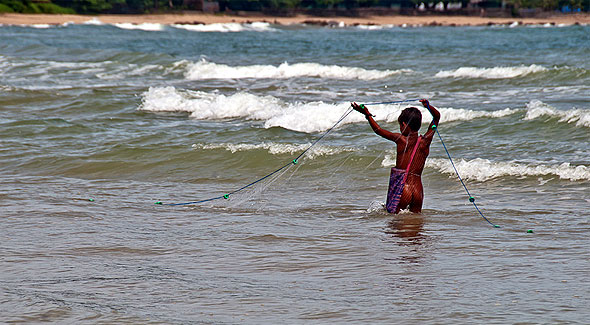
97 22
150 27
373 27
388 160
483 169
94 21
491 73
217 27
454 114
302 117
209 70
536 109
309 117
226 27
202 105
40 26
312 117
276 148
547 25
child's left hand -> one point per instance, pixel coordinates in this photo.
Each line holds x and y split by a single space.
425 103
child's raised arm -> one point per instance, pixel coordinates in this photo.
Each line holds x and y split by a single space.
435 119
395 137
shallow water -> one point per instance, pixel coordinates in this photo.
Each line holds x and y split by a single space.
99 122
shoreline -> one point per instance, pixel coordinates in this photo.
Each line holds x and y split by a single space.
202 18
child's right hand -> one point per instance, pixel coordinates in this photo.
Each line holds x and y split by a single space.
360 108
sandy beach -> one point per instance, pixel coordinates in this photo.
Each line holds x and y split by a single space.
198 18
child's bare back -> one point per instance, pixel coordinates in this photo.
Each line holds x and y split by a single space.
405 184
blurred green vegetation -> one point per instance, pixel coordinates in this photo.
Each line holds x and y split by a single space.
27 6
88 6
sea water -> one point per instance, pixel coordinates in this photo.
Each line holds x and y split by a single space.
101 121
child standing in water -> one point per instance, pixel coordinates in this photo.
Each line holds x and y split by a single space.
405 182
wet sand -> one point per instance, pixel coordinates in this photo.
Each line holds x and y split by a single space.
198 18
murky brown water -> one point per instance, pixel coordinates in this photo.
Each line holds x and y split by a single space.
114 261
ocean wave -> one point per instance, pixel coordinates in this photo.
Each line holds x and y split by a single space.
203 105
41 26
374 27
5 63
547 25
209 70
308 117
455 114
38 26
150 27
302 117
482 169
7 89
536 109
491 73
105 70
227 27
276 148
156 27
55 25
128 70
45 68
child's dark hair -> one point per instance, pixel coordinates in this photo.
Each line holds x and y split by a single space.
412 117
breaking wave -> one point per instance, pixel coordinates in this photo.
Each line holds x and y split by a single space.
149 27
482 169
537 109
491 73
276 148
226 27
210 70
297 116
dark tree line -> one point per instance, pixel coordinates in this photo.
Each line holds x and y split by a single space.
90 6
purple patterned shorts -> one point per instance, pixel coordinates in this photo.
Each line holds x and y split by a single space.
397 180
